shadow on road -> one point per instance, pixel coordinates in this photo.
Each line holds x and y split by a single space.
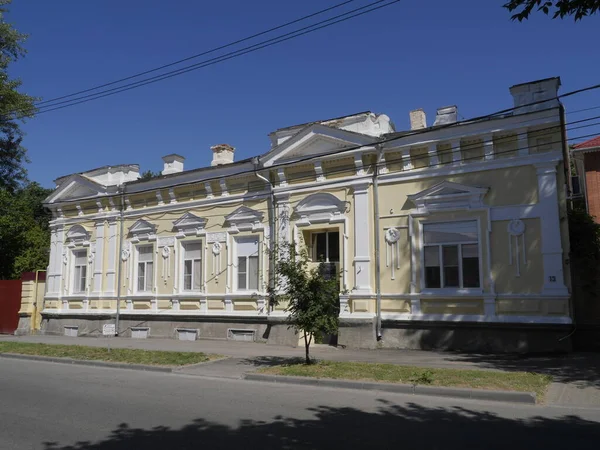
392 426
583 368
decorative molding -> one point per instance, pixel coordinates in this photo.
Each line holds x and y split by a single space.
143 230
319 208
448 196
223 185
166 241
189 224
220 236
208 188
78 235
516 230
392 250
319 171
244 219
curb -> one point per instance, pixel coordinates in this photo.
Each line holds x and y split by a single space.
528 398
84 362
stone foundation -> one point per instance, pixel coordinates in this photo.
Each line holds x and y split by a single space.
24 327
466 337
272 330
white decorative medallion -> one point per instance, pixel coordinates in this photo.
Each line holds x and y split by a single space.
392 251
516 230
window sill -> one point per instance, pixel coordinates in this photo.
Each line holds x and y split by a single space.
453 291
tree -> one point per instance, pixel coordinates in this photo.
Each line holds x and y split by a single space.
14 107
24 232
312 299
558 8
148 175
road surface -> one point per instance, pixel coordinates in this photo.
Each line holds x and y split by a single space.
58 406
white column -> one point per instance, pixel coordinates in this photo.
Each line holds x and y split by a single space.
488 147
456 156
99 259
112 257
283 218
552 252
52 263
362 240
433 156
60 267
523 142
407 163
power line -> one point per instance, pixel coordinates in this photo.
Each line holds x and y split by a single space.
234 54
552 129
207 52
330 182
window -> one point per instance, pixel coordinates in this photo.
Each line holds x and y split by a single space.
192 266
451 254
326 246
145 274
80 269
247 264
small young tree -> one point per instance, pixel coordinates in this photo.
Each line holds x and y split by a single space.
312 299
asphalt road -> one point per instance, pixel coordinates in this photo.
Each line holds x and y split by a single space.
58 406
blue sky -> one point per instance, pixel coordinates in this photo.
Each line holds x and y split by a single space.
412 54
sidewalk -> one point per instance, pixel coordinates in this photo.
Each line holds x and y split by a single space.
576 376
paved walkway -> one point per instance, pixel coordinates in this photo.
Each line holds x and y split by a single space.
577 375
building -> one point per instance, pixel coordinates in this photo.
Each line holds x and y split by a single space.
467 221
586 156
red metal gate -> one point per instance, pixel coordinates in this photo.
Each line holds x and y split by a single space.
10 303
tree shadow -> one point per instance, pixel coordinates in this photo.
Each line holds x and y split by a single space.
410 427
581 368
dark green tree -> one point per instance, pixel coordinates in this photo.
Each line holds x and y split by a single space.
15 106
312 299
557 8
148 175
24 233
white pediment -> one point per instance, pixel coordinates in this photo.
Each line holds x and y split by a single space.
78 235
319 208
244 218
315 140
189 223
448 196
75 187
142 229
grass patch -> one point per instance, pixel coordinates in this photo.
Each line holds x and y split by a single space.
121 355
391 373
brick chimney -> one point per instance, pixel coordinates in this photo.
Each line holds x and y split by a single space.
418 120
222 154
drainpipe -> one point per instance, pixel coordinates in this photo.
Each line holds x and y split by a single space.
271 213
119 261
377 259
35 301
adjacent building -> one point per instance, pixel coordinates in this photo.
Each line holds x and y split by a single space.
586 156
449 235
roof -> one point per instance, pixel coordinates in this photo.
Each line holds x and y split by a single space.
595 142
114 166
535 81
321 121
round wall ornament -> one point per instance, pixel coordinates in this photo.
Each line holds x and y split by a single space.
392 235
516 227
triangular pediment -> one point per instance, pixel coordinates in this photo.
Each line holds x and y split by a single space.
244 218
449 195
75 187
189 221
315 140
142 227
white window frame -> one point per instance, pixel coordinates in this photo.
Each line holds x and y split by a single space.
236 258
75 280
450 290
313 245
184 244
136 271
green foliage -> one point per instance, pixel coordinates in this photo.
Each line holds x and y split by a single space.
312 300
584 236
14 107
558 8
422 376
24 233
148 175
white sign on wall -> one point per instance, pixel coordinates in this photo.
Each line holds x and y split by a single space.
109 329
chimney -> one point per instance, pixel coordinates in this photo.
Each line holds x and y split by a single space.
446 115
173 164
222 154
535 92
418 120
